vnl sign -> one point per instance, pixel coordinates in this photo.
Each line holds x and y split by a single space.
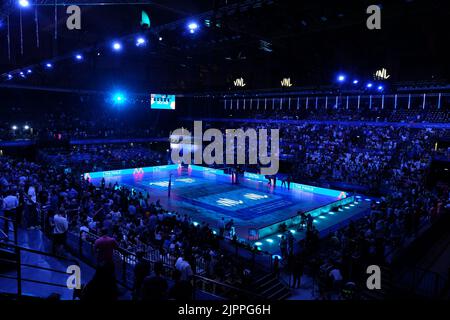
381 74
239 82
286 82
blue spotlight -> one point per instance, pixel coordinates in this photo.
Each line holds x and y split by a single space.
10 76
48 65
355 81
29 71
24 3
192 26
369 85
140 41
341 78
79 57
380 88
117 46
119 98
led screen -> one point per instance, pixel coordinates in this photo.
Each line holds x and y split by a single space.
162 101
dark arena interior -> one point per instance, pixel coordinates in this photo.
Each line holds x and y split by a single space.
215 150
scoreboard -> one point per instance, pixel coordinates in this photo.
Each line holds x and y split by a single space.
162 101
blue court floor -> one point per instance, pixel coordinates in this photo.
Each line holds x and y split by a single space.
207 197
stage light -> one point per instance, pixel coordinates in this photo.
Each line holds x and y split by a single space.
369 85
10 76
29 71
24 3
269 240
49 65
79 57
258 243
192 26
119 98
160 38
355 81
26 127
380 88
140 42
341 78
14 127
117 46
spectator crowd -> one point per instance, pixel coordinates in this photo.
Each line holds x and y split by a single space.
392 161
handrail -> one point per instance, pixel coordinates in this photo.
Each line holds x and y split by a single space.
6 235
119 249
437 279
39 252
42 268
7 219
3 234
228 286
18 265
237 244
34 281
171 267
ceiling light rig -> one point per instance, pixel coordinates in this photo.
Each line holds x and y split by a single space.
24 3
193 27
